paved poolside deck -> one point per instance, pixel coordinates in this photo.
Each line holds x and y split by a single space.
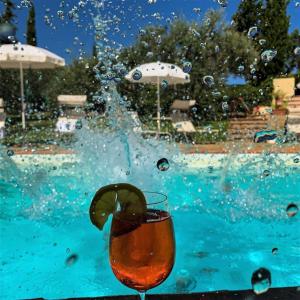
221 148
248 148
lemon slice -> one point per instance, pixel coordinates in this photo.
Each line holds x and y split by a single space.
131 201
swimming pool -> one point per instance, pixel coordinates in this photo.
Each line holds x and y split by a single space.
227 221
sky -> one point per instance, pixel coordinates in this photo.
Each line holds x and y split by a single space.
68 38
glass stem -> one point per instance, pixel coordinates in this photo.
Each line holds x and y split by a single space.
142 295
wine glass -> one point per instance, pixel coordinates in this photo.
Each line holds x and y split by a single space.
142 250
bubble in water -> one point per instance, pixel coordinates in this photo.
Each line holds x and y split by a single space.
185 282
252 32
187 67
297 51
137 75
164 84
208 80
292 210
266 173
163 164
68 250
296 160
274 251
10 153
261 281
268 55
72 259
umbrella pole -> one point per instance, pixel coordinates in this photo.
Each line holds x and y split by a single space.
158 106
22 96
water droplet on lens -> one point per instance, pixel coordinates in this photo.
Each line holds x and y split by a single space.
163 164
223 3
71 260
292 210
241 68
137 75
252 32
149 54
225 106
268 55
78 124
164 84
185 282
261 281
274 251
10 153
297 51
208 80
262 42
187 67
142 32
197 10
296 160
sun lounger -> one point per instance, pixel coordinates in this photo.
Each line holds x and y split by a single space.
72 112
72 100
2 129
184 127
137 126
67 125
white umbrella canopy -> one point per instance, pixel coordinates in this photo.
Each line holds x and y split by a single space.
163 71
19 56
156 73
11 55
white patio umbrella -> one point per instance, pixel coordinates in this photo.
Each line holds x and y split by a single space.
19 56
158 73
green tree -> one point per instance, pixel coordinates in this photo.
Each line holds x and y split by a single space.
294 59
77 78
275 31
31 30
8 26
8 15
272 22
248 15
213 48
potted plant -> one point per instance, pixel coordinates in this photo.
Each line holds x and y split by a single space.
279 103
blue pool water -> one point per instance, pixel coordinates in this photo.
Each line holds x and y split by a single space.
226 225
